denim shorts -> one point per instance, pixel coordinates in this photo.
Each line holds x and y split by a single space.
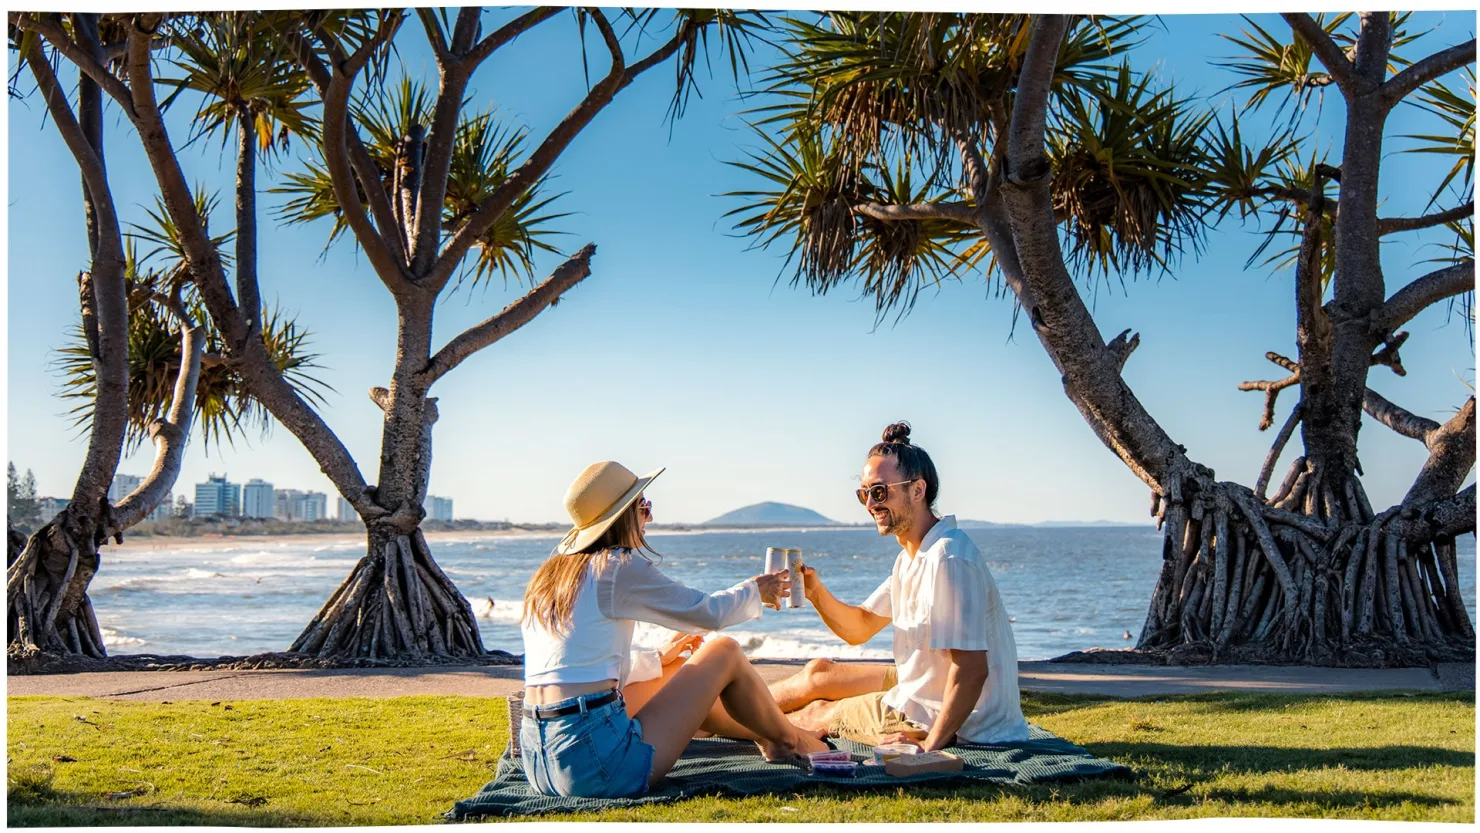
595 753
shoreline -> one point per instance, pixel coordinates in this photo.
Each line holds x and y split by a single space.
162 543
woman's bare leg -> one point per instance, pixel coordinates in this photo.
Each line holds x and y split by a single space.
717 671
638 694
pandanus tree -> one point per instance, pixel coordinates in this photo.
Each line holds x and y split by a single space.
430 189
905 148
141 365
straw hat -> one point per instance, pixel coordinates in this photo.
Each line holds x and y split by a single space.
598 497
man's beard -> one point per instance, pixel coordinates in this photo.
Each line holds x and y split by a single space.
898 524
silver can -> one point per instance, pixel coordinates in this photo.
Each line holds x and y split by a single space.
798 596
775 559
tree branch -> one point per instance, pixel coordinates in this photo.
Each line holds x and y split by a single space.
248 356
1272 388
383 250
512 317
1398 418
466 28
1391 225
435 35
1122 346
1374 43
958 212
511 30
1388 354
1331 56
1026 158
73 51
1451 456
104 299
170 435
658 55
1430 289
1060 318
364 167
1276 449
1434 66
539 162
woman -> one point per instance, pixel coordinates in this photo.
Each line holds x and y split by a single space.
579 612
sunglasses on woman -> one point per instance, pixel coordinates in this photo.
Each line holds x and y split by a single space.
645 508
879 491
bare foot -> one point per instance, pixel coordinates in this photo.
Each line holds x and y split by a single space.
804 742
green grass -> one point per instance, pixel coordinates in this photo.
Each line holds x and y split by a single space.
80 761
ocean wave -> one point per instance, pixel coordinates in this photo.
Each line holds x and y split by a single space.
802 645
501 611
114 639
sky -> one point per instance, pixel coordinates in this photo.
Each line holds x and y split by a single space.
684 350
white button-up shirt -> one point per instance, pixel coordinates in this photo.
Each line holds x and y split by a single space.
618 592
940 599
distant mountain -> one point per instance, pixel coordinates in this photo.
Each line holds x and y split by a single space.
771 514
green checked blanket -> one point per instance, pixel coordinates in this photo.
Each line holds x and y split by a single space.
717 766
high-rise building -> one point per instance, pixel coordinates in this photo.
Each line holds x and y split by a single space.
122 485
50 507
293 505
217 497
438 508
283 500
164 509
346 511
183 508
258 500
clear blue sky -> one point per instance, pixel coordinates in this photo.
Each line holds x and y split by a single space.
681 350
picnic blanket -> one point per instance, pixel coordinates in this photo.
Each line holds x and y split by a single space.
711 766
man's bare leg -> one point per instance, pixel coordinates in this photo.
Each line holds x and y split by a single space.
823 679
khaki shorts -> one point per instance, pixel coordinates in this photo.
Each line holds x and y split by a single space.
866 719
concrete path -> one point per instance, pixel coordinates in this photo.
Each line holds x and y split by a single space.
1113 680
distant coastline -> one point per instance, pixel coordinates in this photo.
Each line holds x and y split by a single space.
229 531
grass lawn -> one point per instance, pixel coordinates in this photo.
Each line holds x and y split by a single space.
80 761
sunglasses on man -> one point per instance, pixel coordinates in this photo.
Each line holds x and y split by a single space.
879 491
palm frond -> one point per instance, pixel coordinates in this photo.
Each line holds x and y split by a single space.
1129 181
484 153
225 409
1272 69
242 68
1457 110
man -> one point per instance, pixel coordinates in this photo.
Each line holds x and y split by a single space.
954 676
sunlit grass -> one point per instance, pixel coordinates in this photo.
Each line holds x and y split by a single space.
330 762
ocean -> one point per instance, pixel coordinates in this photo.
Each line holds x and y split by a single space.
1066 588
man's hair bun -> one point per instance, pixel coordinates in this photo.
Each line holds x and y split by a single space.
898 432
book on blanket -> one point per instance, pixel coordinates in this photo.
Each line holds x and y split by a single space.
904 765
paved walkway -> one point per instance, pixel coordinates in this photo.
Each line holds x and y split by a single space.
1066 678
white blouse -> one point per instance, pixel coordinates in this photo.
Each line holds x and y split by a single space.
619 591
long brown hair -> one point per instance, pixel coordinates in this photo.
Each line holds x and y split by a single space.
550 599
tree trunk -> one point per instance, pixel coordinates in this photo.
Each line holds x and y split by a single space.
397 602
1361 591
47 588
